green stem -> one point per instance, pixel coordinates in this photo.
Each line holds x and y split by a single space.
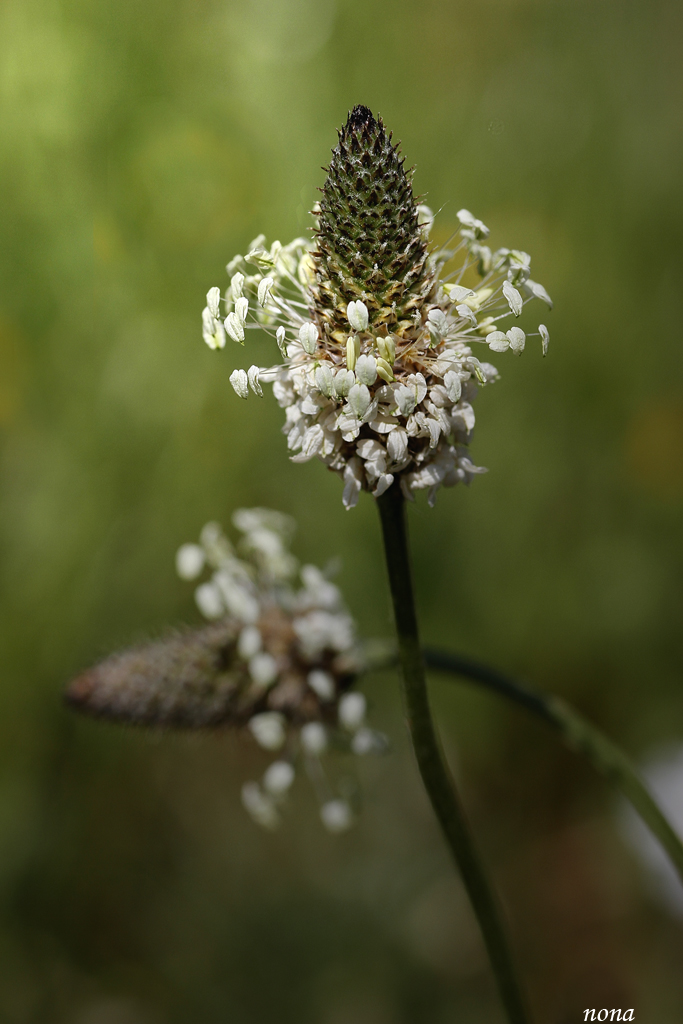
435 775
578 734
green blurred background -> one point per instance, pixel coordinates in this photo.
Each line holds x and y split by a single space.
142 145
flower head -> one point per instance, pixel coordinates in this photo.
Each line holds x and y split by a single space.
277 660
378 331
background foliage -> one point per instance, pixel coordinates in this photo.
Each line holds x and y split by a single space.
142 146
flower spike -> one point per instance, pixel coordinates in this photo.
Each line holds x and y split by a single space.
376 334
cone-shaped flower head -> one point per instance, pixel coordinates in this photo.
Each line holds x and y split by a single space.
370 245
377 329
278 660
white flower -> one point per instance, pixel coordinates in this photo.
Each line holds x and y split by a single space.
285 654
268 729
357 371
240 382
357 315
336 815
545 337
189 561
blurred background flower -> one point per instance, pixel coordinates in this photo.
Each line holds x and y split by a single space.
141 146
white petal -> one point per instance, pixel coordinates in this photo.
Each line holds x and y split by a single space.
357 315
353 478
343 382
359 400
314 738
538 292
466 313
352 709
234 327
437 322
397 445
280 338
545 337
324 378
189 561
417 381
383 484
308 336
264 290
517 339
209 601
213 301
498 342
259 805
240 382
369 449
242 308
366 370
322 683
405 399
425 217
263 668
278 778
249 642
268 729
457 293
236 283
453 385
336 815
513 297
253 378
367 741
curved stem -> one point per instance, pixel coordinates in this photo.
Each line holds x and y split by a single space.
435 775
579 734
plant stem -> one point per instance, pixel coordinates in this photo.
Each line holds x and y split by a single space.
435 774
579 734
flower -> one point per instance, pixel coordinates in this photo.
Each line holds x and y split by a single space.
277 660
377 330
